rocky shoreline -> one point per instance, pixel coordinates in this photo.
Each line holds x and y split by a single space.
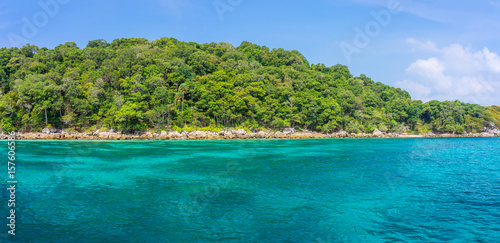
230 134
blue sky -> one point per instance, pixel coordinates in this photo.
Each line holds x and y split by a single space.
443 50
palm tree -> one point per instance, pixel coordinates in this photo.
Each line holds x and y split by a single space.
179 97
183 88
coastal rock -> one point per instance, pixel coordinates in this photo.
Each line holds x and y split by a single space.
46 131
173 135
486 134
279 135
231 132
241 132
414 136
114 136
306 134
317 135
342 134
377 133
198 134
289 130
227 133
261 134
26 136
493 131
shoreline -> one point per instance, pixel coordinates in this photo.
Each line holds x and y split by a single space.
232 134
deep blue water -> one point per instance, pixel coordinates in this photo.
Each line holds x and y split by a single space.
329 190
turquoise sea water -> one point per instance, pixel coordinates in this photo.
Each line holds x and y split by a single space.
329 190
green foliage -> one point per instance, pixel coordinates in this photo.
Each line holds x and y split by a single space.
7 126
177 129
369 129
134 84
493 112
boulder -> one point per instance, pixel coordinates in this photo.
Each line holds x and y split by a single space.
241 132
230 133
279 135
103 135
377 133
197 134
46 131
318 135
340 134
173 134
114 136
261 134
305 134
289 130
485 134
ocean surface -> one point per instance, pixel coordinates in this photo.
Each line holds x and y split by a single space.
328 190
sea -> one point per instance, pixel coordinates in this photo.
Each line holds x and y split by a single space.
312 190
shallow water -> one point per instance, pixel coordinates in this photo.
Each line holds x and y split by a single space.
328 190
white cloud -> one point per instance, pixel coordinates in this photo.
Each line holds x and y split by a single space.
462 59
414 88
492 60
432 71
455 72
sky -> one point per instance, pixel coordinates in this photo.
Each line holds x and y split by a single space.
444 50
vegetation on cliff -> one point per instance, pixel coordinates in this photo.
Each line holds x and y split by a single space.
136 85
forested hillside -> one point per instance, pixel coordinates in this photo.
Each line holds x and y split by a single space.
137 85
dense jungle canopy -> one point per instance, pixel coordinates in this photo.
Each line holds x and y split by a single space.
135 84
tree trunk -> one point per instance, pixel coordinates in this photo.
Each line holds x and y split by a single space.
182 103
46 122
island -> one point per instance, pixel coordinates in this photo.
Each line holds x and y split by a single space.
134 88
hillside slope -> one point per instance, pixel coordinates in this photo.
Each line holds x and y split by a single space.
135 85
